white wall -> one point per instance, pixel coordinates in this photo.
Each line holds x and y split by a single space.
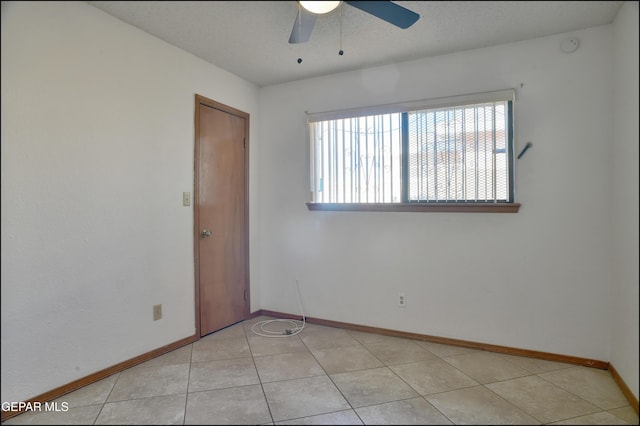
539 279
97 148
624 197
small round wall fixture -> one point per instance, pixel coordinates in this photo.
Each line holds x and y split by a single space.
569 45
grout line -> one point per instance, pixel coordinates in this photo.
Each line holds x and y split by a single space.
108 395
253 359
570 392
186 397
511 403
330 379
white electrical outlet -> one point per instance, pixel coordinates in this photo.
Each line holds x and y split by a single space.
157 312
402 300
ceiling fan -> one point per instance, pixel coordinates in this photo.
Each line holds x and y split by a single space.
386 10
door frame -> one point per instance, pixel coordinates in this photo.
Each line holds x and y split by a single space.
199 102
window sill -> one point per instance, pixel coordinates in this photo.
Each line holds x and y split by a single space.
418 207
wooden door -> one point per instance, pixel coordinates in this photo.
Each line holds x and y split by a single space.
221 216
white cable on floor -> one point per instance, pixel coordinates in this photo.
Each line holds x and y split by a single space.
296 326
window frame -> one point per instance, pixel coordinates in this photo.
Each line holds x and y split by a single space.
406 205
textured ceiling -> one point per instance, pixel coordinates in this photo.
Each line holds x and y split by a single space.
250 38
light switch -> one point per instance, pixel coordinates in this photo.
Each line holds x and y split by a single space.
186 198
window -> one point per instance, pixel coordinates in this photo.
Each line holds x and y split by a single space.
450 152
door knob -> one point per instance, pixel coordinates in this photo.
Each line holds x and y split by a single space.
205 233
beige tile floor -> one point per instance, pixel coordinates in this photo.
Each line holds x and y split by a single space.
327 375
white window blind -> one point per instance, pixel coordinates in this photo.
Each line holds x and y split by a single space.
455 149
